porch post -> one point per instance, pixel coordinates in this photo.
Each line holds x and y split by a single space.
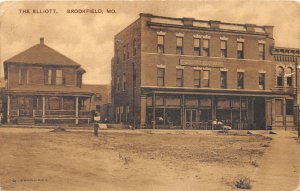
183 112
8 109
284 113
240 113
77 110
143 111
44 109
153 111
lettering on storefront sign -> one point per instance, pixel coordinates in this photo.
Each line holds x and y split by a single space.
203 63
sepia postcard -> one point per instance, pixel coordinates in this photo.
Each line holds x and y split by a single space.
150 95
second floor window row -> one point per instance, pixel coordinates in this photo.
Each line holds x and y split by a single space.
202 47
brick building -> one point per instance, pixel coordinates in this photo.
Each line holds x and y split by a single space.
186 73
44 86
101 99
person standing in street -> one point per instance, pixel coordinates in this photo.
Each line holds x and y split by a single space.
96 123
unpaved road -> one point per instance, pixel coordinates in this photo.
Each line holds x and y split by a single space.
37 160
280 165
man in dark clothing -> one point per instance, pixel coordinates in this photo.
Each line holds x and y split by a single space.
96 125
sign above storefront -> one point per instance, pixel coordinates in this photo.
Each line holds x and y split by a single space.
201 63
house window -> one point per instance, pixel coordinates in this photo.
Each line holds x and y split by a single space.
23 75
223 48
197 46
48 77
179 77
134 47
240 50
160 76
124 82
223 79
206 76
160 44
205 47
54 103
289 107
179 45
124 53
59 77
240 80
118 57
261 81
261 51
197 78
279 76
97 98
278 107
127 51
289 77
118 83
79 79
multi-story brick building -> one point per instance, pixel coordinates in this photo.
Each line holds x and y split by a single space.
186 73
44 86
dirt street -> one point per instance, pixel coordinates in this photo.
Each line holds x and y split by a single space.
39 160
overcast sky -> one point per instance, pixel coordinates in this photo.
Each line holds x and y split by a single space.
88 38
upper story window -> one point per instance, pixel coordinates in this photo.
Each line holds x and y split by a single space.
124 82
54 77
160 76
205 47
289 77
124 53
160 43
197 46
23 75
179 45
79 79
127 51
240 80
206 77
118 83
223 48
240 50
261 81
118 56
261 51
223 79
179 77
197 79
48 77
134 47
59 77
280 76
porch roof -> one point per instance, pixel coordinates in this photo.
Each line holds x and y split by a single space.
49 90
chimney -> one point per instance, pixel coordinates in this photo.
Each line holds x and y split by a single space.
42 40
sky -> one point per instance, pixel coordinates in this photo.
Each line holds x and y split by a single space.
87 38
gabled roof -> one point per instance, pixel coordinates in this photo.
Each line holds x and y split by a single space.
42 54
